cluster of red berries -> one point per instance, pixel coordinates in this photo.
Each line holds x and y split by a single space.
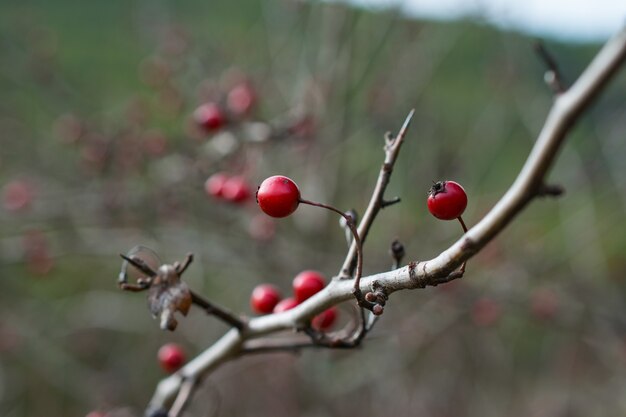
223 186
212 116
266 298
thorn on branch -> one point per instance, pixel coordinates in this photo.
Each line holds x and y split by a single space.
397 252
552 77
386 203
550 190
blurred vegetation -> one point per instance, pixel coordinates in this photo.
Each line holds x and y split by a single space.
97 154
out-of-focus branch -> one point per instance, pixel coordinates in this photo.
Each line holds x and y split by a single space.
553 76
529 184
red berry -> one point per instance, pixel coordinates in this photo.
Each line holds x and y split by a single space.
210 117
286 304
241 99
214 185
171 357
236 190
278 196
17 195
447 200
306 284
96 414
264 298
325 319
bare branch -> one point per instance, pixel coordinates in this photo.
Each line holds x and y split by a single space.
219 312
377 202
564 113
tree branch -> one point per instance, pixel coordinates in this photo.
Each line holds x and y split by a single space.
565 111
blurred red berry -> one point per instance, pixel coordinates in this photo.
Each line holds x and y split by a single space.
278 196
241 99
325 319
236 190
306 284
210 117
264 298
486 312
96 414
214 185
286 304
171 357
17 195
447 200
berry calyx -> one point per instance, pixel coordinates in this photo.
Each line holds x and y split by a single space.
210 117
264 298
286 304
236 190
214 185
325 319
171 357
278 196
306 284
447 200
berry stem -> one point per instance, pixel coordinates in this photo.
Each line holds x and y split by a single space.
359 250
460 219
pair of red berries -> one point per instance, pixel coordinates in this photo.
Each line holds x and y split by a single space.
279 196
230 188
266 298
171 357
239 102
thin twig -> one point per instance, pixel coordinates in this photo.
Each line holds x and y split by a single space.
377 201
185 393
217 311
553 76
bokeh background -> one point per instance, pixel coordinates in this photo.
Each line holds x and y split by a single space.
99 152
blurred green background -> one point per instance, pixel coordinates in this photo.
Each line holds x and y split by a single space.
98 154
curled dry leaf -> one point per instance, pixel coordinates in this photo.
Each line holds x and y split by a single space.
168 294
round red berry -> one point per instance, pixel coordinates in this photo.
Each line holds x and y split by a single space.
214 185
236 189
171 357
278 196
210 117
17 195
306 284
241 99
447 200
286 304
264 298
325 319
